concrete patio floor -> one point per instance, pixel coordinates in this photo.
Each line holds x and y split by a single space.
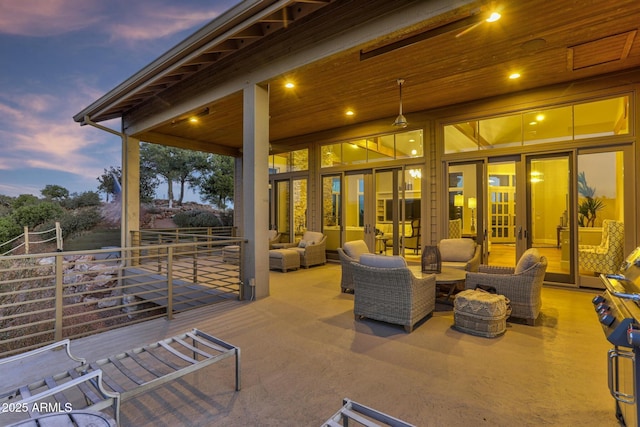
303 352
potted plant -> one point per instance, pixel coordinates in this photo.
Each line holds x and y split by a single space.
589 205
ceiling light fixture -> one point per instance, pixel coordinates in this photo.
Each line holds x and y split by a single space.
349 113
493 17
401 120
289 85
514 76
194 118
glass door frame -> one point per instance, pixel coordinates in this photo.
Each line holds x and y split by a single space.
629 213
528 216
370 205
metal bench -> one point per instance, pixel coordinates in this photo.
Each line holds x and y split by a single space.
110 381
362 415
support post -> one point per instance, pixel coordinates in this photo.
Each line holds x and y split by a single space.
255 191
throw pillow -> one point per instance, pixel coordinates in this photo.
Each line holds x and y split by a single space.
302 244
528 259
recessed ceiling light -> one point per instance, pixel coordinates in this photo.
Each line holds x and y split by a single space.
514 76
540 117
533 123
414 152
349 113
193 119
494 17
289 85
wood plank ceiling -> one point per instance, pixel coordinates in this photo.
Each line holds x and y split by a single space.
547 42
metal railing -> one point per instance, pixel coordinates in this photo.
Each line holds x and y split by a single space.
48 297
27 242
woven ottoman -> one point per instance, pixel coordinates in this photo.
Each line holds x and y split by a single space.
481 313
284 259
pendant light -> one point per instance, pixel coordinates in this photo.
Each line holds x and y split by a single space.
401 121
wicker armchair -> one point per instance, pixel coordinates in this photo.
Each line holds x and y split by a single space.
608 256
522 284
274 238
462 253
350 252
388 291
312 249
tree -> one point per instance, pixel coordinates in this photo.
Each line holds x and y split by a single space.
108 183
172 164
56 193
148 182
216 180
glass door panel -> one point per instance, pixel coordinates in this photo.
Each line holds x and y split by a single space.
332 210
387 212
283 210
600 214
354 207
549 213
299 207
411 214
501 213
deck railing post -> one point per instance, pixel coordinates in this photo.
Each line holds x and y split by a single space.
26 240
159 255
195 259
59 241
58 302
170 282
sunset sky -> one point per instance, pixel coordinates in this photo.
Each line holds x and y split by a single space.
58 56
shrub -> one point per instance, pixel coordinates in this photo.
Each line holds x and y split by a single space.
197 219
8 230
25 200
75 222
33 215
88 198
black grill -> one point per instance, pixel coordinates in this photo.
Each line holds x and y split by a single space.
618 310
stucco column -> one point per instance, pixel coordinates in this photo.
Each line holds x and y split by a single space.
130 188
255 191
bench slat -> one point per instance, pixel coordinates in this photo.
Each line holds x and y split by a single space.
108 380
133 377
88 393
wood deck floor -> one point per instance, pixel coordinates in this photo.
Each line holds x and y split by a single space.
303 352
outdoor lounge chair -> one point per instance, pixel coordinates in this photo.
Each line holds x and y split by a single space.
274 238
522 285
311 248
348 253
388 291
462 253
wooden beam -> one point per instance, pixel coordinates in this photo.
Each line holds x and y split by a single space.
189 144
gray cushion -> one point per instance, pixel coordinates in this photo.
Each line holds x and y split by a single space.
457 250
355 249
529 258
382 261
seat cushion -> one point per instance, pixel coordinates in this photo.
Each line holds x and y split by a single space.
355 249
382 261
457 250
529 258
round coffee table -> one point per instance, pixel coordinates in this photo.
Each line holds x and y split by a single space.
452 277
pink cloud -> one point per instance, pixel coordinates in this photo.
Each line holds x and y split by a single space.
120 20
47 18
